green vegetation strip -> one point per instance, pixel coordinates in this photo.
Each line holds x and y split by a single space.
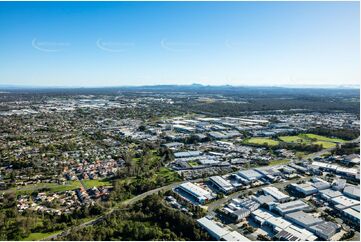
47 187
262 141
39 236
311 139
96 183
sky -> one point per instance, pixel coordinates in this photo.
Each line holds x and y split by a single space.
150 43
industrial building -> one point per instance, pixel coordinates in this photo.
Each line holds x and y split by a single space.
250 175
352 192
294 233
199 194
221 184
329 194
289 207
219 231
325 230
343 202
303 219
277 194
305 189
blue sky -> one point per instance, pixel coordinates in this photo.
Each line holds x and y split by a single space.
145 43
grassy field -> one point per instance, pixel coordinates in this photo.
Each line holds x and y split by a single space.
262 141
38 236
323 138
96 183
193 163
167 174
294 139
51 187
306 139
325 144
278 162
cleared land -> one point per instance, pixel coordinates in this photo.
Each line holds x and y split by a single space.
96 183
279 162
262 141
39 236
324 138
47 187
305 139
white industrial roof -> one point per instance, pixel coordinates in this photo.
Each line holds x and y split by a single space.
220 181
345 201
302 234
274 192
212 226
235 236
196 190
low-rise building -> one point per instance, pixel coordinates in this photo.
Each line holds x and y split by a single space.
352 192
305 189
303 219
277 194
295 233
219 231
199 194
289 207
221 184
325 230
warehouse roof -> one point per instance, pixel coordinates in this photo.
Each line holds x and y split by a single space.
325 229
352 191
235 236
303 219
213 227
292 206
222 183
274 192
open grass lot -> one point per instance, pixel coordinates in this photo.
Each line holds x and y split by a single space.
323 138
96 183
38 236
50 187
325 144
193 163
262 141
294 139
305 139
167 174
279 162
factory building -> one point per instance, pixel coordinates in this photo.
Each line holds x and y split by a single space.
221 184
289 207
219 231
199 194
277 194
